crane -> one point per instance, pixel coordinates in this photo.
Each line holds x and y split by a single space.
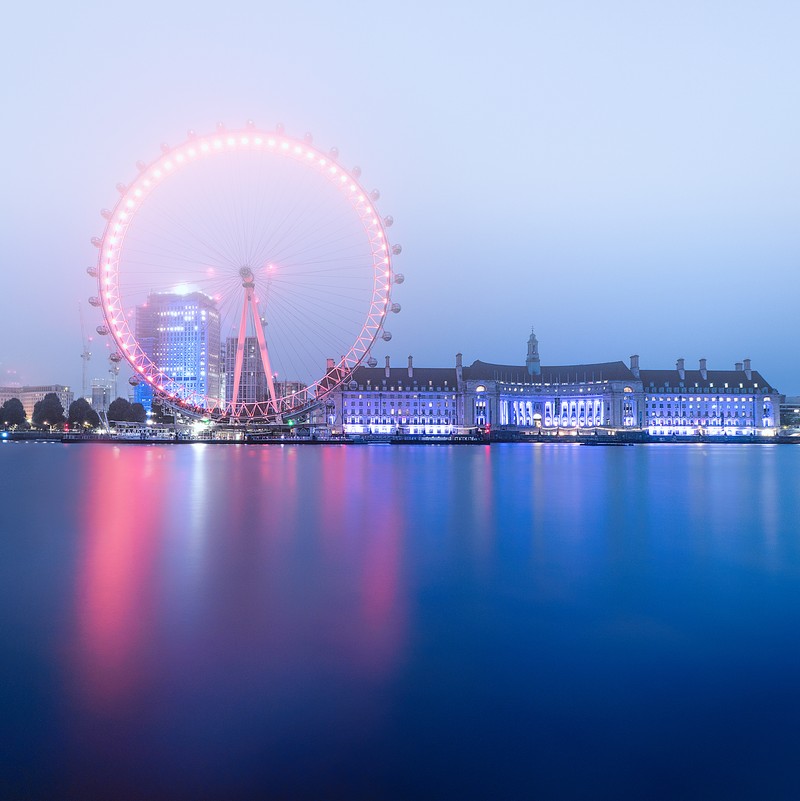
86 353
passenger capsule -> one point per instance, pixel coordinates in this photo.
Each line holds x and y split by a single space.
375 194
191 134
396 308
308 138
92 271
355 172
250 124
141 166
334 153
386 336
102 330
165 148
134 381
353 385
105 214
372 361
97 241
399 278
94 301
397 250
388 221
220 126
121 188
116 357
279 129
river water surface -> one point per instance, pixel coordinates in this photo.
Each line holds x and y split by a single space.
400 622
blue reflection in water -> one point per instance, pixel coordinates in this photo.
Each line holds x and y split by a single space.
370 622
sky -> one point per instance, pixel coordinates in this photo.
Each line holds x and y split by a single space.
624 176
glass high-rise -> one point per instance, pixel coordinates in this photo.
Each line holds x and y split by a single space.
180 334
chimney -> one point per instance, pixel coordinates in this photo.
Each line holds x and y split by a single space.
703 370
635 366
747 371
386 369
459 370
738 367
681 371
410 367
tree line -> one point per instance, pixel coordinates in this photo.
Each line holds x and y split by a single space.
49 412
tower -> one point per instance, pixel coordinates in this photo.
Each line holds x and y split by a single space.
532 360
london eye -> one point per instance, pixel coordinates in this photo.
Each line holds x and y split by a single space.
244 274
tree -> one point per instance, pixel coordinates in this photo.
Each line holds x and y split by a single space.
12 413
48 411
81 413
119 411
138 414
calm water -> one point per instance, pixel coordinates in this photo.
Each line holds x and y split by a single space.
331 622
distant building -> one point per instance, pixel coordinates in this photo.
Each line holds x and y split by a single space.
790 412
556 399
30 395
253 380
180 334
102 391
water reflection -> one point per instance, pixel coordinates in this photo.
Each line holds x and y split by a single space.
315 620
232 569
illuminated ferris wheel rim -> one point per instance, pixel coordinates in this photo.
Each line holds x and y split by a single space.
197 149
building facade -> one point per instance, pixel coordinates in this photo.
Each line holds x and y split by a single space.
392 400
738 402
30 395
561 399
181 336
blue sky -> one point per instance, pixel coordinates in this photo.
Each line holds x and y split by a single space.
622 175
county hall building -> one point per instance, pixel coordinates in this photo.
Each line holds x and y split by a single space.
561 399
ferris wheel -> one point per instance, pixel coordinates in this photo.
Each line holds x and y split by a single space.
245 274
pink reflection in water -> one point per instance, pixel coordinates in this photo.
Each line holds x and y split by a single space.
295 575
113 603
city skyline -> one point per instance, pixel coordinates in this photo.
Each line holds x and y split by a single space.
622 178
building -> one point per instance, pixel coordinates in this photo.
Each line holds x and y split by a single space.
790 412
253 381
393 400
102 394
681 402
575 396
560 399
30 395
180 333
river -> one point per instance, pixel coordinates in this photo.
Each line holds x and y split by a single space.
399 622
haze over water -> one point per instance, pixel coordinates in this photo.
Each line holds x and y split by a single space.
551 621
